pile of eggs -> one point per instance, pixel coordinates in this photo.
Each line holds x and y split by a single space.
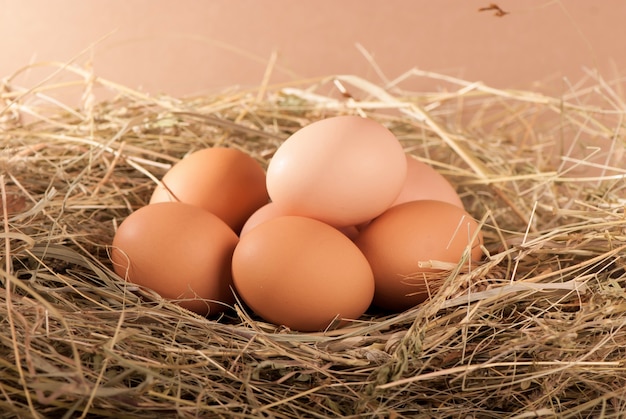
343 219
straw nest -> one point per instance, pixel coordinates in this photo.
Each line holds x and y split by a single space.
537 329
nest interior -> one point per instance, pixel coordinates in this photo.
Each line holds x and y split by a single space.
536 329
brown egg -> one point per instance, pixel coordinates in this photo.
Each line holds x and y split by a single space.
225 181
401 243
350 232
271 210
424 182
180 251
301 273
343 170
263 214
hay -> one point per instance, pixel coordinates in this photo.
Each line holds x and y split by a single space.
535 330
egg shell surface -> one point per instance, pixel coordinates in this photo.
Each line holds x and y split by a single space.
424 182
224 181
263 214
401 242
301 273
180 251
343 170
271 210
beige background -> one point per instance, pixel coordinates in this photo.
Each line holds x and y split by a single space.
193 47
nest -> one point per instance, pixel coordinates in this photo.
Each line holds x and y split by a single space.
537 329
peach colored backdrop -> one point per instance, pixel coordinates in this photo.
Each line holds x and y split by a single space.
191 47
